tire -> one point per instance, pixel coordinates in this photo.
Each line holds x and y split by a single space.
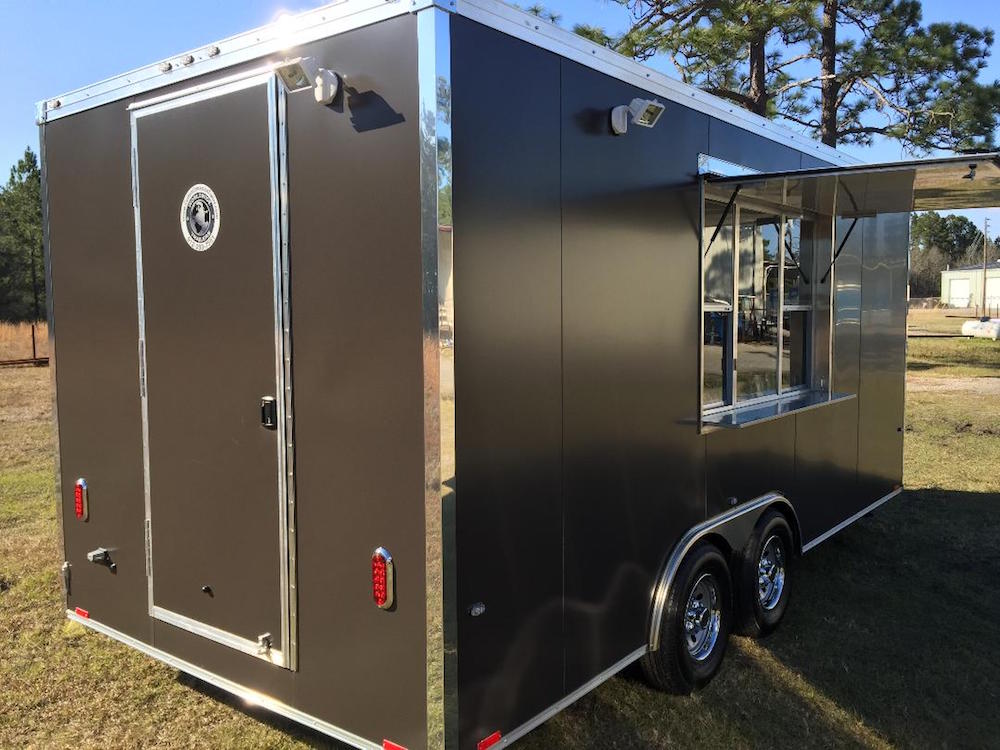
692 645
762 579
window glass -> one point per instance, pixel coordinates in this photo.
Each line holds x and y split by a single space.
718 261
715 349
757 348
796 289
794 349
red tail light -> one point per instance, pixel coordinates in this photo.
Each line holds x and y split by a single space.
80 500
382 575
488 741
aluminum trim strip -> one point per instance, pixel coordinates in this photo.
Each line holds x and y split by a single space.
530 28
844 524
434 93
288 525
212 633
143 404
211 85
581 691
201 93
276 102
250 696
687 542
326 21
50 312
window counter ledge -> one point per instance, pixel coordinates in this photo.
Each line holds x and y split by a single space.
738 417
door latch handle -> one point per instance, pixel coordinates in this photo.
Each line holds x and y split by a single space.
269 413
102 556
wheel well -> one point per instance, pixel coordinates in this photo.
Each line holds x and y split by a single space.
786 510
711 532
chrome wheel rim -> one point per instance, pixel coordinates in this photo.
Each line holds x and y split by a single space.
771 573
702 618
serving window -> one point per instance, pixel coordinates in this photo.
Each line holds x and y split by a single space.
758 298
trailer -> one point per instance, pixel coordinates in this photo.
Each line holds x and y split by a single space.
419 366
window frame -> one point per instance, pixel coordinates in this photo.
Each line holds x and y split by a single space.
731 400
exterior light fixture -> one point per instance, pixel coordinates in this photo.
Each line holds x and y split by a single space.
642 112
972 173
303 73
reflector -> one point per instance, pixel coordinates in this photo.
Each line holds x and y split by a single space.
488 741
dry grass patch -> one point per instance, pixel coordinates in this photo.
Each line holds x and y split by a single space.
15 340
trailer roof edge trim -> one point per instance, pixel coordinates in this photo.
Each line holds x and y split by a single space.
943 183
336 18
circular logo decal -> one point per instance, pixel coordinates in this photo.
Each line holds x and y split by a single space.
200 217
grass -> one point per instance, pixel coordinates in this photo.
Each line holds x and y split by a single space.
888 640
937 320
15 340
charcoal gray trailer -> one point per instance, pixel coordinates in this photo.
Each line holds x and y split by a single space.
419 366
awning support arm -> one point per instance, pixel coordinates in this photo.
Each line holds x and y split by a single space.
725 214
795 260
843 242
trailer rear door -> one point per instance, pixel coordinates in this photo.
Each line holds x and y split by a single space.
214 356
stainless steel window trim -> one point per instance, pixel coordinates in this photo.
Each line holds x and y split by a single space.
662 587
339 17
250 696
713 165
844 524
434 86
536 721
782 252
212 633
785 395
283 656
734 328
832 289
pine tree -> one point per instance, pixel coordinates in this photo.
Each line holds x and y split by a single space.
22 276
844 70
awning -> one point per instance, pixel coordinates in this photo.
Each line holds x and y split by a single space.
956 182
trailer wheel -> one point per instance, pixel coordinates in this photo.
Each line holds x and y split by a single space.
696 624
763 586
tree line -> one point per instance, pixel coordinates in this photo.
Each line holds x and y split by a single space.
940 242
22 271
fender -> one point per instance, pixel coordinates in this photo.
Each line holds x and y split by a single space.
734 526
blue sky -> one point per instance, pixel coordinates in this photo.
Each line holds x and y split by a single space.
48 47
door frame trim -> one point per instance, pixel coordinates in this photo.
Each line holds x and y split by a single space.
286 656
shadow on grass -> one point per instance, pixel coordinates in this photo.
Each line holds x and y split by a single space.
888 641
293 729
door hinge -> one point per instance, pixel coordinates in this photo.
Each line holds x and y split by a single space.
142 369
66 567
148 541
